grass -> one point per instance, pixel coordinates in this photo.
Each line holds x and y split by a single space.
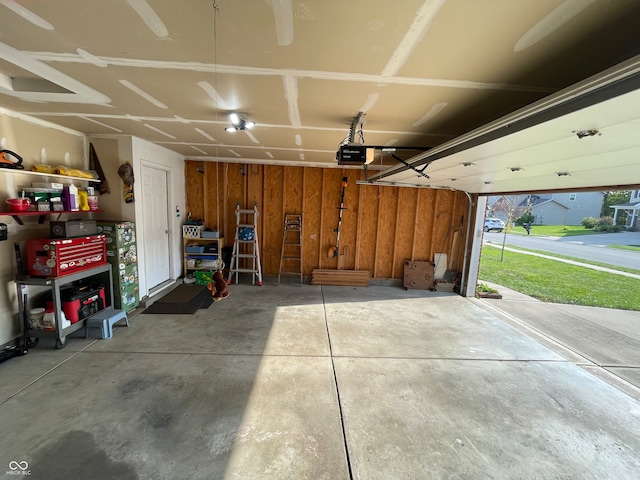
558 282
635 248
577 259
555 231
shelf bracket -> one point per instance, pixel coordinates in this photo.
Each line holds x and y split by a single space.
17 219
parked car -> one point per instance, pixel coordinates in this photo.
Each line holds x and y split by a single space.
494 224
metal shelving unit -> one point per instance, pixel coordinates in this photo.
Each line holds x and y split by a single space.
55 284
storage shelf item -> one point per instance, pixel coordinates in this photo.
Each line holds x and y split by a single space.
192 231
55 284
42 174
42 215
201 253
122 255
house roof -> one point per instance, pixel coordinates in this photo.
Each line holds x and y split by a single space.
418 74
627 205
547 201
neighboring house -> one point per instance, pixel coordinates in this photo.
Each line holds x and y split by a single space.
505 207
548 209
632 208
579 205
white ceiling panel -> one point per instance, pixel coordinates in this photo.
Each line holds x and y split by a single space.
423 72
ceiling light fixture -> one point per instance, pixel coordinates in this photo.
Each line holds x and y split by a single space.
586 133
239 123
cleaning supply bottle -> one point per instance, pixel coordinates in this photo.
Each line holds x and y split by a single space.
73 198
83 200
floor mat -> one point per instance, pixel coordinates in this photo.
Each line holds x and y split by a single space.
182 294
202 300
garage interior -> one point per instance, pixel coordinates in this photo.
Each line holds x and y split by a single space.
451 100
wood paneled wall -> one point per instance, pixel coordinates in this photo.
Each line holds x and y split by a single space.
382 227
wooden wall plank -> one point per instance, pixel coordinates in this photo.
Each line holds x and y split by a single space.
194 185
461 211
236 194
330 210
255 185
368 211
443 222
272 212
292 186
424 224
311 218
405 229
210 181
349 220
385 232
358 230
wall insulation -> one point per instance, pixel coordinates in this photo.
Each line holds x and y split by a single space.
382 226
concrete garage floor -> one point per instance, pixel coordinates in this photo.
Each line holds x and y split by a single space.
314 382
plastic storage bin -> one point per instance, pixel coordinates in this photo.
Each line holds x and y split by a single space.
192 231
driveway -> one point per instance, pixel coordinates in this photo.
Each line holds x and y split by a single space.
587 247
603 341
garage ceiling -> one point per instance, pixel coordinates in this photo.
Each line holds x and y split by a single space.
422 72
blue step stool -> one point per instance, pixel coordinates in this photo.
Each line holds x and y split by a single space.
105 319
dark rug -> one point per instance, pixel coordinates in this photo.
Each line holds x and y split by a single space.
202 299
182 293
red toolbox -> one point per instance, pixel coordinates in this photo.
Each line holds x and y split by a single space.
80 304
54 257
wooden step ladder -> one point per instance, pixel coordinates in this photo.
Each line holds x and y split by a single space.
245 245
291 253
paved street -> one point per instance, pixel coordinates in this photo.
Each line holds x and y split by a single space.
587 247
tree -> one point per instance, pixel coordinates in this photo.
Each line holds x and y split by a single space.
511 207
615 197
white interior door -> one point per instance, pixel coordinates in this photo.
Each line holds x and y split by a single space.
156 225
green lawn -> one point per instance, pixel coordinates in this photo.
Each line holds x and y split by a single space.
635 248
576 259
557 282
555 230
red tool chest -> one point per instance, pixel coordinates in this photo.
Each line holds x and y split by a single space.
54 257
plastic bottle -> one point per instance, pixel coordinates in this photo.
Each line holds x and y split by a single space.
73 198
83 200
49 321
